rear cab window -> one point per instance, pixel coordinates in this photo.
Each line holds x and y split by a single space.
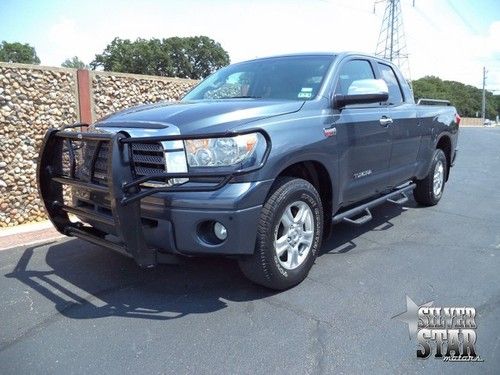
388 75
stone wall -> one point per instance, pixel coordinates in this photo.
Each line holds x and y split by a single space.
471 121
35 98
32 99
115 91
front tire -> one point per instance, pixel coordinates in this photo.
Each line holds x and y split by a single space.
429 191
289 235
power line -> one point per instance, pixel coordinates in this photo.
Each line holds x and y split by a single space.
464 19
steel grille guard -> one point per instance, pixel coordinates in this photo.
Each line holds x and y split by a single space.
123 188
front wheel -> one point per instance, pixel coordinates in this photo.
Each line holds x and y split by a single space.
289 235
429 191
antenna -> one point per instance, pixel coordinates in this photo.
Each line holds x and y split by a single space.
391 43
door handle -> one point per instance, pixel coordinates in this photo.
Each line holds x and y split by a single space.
385 121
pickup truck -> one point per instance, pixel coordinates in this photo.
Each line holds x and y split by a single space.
257 162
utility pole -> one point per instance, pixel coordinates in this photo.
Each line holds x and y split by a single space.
483 104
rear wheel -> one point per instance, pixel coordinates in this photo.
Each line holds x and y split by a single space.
288 235
430 190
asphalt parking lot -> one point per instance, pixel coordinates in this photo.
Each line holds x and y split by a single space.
70 307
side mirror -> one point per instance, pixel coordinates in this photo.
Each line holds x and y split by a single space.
363 91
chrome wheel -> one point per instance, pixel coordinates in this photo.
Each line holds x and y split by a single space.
293 236
438 179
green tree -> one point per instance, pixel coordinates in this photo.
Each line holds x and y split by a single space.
190 57
466 98
496 100
74 63
18 53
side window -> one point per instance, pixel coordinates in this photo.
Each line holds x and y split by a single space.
388 75
352 71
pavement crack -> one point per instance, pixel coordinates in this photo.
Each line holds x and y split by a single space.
58 315
297 311
489 306
318 333
318 348
30 299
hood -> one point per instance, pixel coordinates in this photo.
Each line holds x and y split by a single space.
200 116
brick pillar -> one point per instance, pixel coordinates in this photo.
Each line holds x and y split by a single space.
83 79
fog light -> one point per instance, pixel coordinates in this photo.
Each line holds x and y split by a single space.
220 231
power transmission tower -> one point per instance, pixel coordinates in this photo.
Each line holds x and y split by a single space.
391 43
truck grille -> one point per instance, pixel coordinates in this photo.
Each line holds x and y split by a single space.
101 163
147 159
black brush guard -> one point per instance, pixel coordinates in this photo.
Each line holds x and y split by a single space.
124 190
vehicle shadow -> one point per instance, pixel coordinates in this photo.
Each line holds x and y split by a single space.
87 282
343 236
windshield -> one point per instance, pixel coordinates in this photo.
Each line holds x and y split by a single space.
286 78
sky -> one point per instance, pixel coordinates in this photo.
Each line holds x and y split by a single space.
451 39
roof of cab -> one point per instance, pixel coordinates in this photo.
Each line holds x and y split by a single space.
298 54
331 54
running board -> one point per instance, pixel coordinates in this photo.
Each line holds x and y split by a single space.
348 215
403 199
360 220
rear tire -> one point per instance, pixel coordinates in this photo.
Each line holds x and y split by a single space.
289 235
430 190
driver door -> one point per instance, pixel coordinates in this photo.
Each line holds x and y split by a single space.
365 164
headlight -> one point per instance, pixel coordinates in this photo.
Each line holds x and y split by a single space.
246 149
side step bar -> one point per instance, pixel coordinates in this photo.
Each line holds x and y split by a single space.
348 215
360 220
403 199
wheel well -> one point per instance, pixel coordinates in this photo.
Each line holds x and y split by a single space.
445 145
315 173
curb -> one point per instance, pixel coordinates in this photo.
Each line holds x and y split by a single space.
27 234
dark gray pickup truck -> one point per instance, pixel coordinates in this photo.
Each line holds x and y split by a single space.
256 162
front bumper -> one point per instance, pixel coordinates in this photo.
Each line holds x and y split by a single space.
143 222
184 231
174 222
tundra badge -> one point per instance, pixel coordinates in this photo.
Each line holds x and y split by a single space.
363 173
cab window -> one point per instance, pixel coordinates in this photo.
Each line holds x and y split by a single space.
352 71
388 75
